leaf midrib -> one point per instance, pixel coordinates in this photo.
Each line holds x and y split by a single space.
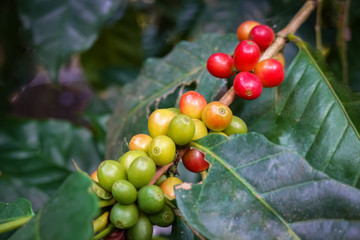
248 186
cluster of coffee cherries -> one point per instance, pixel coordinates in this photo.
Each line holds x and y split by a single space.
138 204
252 75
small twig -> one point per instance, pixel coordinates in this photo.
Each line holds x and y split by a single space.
280 40
178 213
318 26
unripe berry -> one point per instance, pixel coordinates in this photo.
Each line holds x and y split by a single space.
217 116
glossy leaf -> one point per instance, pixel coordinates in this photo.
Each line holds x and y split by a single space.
67 215
36 157
14 214
258 190
159 78
59 29
319 118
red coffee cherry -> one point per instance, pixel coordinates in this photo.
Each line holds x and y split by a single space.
247 85
244 29
270 72
194 161
263 35
221 65
192 104
246 56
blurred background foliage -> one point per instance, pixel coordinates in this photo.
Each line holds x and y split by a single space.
62 64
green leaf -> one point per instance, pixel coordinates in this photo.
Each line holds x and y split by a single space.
116 57
36 157
15 214
185 65
59 29
258 190
67 215
318 118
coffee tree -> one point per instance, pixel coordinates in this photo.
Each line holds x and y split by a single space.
274 147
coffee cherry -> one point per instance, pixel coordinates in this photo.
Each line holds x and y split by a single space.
263 35
221 65
142 230
217 116
151 199
167 186
127 159
108 172
247 85
194 161
270 72
200 129
246 55
141 171
94 176
192 104
181 129
164 218
140 142
162 150
244 29
124 192
158 122
124 216
237 125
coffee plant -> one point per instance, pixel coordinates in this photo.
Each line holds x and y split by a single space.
174 123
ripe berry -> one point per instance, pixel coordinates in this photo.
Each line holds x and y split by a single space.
270 72
194 161
244 29
221 65
247 85
217 116
246 56
263 35
192 104
140 142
